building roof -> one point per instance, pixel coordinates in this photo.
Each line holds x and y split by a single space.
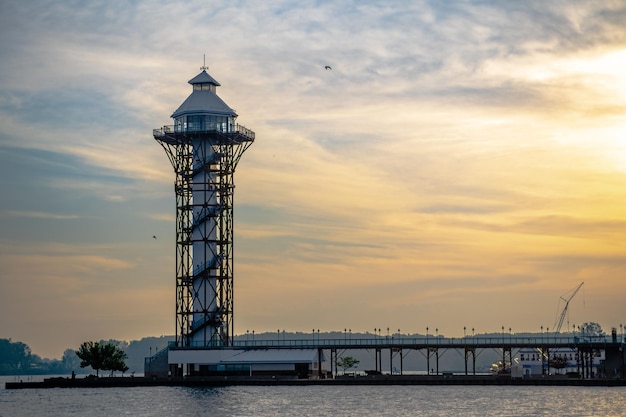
273 356
203 78
238 356
204 101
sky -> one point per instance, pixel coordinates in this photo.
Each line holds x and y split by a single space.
462 165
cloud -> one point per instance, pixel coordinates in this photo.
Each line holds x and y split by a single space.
450 158
40 215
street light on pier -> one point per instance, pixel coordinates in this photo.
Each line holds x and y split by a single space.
543 371
427 353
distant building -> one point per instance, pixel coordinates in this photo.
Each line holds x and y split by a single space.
531 362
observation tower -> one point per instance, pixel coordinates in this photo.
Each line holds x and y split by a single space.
204 146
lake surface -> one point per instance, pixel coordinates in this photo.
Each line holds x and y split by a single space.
316 401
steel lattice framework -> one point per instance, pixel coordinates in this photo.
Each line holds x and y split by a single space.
204 163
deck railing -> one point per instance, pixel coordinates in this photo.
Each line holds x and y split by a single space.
417 342
169 129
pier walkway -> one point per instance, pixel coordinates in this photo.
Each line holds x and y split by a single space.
585 347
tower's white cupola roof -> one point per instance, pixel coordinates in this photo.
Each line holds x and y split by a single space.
203 100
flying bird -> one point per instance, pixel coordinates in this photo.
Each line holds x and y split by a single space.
328 67
153 237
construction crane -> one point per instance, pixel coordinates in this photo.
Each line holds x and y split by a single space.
557 326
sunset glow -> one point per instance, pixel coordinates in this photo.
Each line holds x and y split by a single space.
452 169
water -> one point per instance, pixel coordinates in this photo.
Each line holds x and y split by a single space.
316 401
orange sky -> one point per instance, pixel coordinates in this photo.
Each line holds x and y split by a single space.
452 169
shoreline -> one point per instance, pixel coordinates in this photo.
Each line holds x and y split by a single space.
220 381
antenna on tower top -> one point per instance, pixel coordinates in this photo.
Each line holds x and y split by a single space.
204 67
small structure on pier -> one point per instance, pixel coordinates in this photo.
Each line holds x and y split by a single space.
283 363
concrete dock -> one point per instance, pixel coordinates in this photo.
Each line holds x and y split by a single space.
124 382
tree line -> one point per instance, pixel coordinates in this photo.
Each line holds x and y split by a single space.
16 358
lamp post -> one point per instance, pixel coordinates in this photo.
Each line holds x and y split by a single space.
542 354
427 353
547 349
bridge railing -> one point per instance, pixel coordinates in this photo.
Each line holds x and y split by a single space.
422 341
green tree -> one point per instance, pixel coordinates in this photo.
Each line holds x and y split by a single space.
105 356
15 357
347 362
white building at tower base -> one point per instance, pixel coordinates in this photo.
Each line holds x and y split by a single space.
282 363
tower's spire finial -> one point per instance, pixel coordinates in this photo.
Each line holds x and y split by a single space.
204 67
